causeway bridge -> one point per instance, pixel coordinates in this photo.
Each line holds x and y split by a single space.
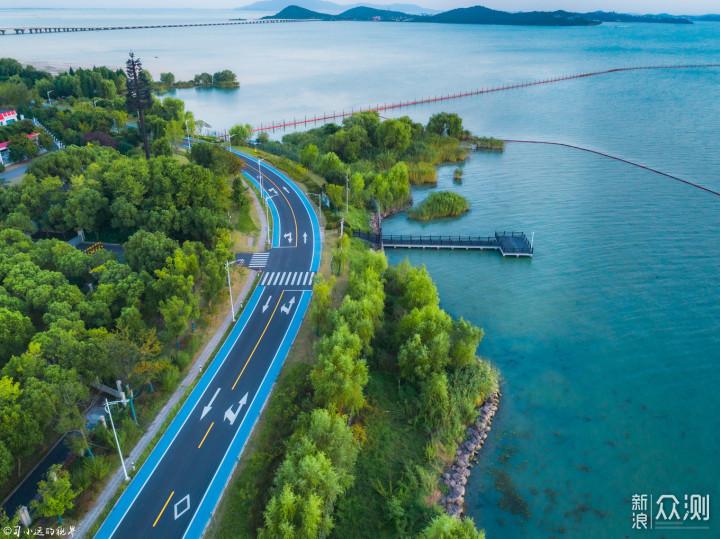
59 29
507 243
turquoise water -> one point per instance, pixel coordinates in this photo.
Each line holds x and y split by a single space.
608 339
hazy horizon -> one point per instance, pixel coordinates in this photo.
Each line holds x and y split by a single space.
688 7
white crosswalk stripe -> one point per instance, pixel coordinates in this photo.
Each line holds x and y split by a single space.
258 260
287 279
268 277
279 276
308 279
292 282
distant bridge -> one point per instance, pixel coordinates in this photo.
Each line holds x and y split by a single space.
508 243
59 29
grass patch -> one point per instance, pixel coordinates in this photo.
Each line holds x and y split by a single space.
358 219
439 204
422 173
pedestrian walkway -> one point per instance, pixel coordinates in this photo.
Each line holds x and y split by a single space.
259 260
288 278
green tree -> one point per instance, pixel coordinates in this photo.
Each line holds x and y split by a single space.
309 155
176 314
56 494
339 377
138 97
148 251
239 193
435 401
291 516
6 465
394 135
321 300
336 195
465 339
444 123
448 527
240 134
328 163
167 79
16 331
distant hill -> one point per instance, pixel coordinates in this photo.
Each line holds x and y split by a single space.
705 18
332 8
369 13
483 15
605 16
297 12
480 15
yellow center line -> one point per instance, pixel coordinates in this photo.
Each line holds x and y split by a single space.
286 200
163 509
258 343
208 432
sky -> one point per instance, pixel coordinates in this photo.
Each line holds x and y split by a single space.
687 7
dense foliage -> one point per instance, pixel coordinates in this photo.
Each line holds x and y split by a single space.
221 79
69 317
439 204
377 160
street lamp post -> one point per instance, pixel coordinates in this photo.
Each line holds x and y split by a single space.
112 423
95 101
188 132
227 268
48 94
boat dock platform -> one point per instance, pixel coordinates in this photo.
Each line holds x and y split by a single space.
507 243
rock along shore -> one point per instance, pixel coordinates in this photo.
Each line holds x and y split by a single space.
456 475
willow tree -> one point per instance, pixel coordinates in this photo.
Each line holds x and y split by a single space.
138 97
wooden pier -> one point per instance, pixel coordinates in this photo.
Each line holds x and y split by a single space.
507 243
57 29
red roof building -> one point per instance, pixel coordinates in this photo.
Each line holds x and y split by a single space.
7 117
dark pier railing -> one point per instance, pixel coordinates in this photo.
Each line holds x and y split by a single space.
508 243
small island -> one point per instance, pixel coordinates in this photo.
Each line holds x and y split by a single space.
439 204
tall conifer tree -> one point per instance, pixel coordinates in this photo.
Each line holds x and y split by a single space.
138 96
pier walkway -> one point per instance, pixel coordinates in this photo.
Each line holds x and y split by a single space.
507 243
57 29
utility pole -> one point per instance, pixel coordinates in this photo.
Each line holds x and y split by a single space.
112 423
347 191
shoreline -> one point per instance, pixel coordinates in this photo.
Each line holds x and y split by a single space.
457 473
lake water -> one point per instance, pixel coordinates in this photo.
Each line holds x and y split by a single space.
608 338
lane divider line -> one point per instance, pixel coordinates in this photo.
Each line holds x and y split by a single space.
258 343
163 509
208 432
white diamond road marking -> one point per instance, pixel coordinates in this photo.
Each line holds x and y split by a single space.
181 512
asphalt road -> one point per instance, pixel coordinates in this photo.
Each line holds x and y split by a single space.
178 487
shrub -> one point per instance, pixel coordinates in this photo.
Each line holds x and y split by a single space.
439 204
97 467
170 378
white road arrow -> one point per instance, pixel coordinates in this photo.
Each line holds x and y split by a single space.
286 308
267 304
232 416
209 405
288 237
285 189
304 237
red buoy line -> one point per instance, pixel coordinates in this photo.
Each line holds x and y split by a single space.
377 108
616 159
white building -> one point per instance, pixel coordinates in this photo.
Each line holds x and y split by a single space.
7 117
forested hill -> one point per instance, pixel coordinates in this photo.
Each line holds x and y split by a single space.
297 12
483 15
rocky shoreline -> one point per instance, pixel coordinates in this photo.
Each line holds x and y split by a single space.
456 475
375 224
